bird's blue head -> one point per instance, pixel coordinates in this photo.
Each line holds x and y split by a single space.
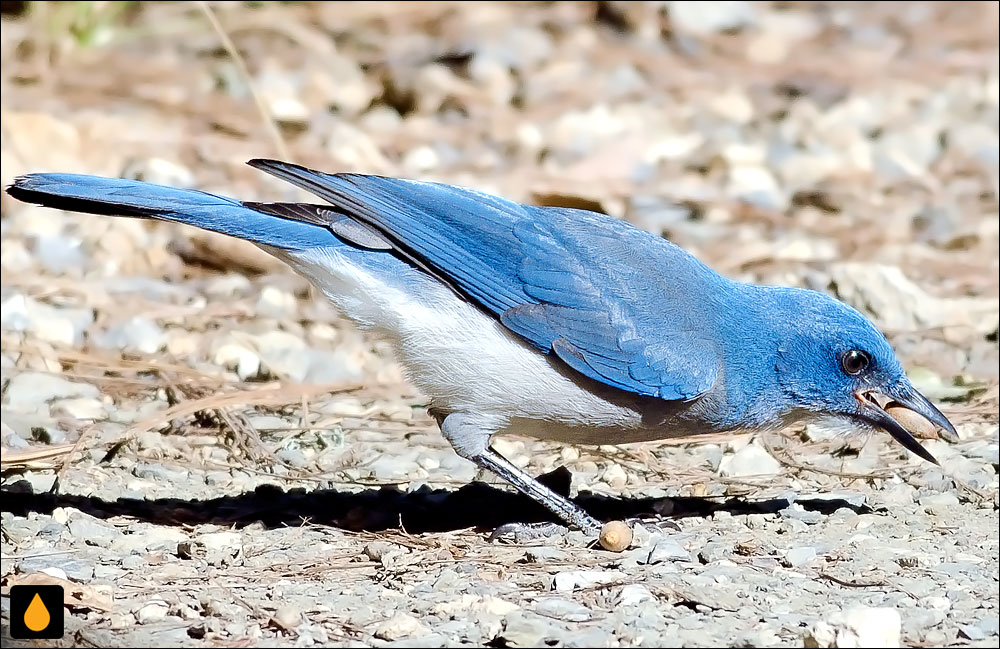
831 360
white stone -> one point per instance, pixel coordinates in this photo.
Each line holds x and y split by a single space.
237 357
751 460
288 617
820 636
563 609
615 476
936 603
864 626
421 158
469 602
275 303
221 540
136 334
699 17
800 556
634 594
733 105
399 626
152 612
667 549
570 580
58 573
28 390
79 408
757 185
57 325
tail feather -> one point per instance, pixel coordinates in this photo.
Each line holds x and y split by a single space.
133 198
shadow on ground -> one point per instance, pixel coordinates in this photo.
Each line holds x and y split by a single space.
477 505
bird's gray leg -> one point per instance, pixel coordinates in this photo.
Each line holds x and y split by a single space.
470 437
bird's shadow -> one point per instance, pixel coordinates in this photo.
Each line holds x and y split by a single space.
476 505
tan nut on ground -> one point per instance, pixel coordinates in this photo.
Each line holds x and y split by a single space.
615 536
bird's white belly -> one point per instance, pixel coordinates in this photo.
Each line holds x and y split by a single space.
461 358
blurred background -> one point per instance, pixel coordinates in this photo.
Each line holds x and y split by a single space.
843 146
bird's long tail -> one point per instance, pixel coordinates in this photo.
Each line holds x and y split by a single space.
118 197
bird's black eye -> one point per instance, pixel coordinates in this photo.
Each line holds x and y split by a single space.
854 362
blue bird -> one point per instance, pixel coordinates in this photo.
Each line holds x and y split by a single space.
556 323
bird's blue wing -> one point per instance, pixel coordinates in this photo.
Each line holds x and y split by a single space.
614 303
605 308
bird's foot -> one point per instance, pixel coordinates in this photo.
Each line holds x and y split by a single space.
522 533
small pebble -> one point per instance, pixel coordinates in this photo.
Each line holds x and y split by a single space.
633 594
288 617
563 609
800 556
864 626
399 626
570 580
216 541
667 549
152 612
751 460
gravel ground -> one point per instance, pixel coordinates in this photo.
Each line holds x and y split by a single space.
205 455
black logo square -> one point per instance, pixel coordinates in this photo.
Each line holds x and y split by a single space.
36 612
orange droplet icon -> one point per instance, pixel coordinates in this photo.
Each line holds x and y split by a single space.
36 617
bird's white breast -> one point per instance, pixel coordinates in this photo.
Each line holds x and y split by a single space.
460 357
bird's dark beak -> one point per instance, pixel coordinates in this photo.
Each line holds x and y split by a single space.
873 411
